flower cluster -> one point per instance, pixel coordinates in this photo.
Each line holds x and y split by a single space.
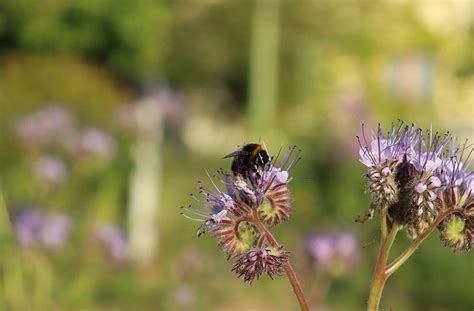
240 215
417 177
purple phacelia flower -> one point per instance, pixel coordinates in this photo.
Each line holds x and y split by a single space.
238 213
382 148
226 212
416 176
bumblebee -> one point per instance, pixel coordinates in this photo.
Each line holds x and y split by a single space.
249 157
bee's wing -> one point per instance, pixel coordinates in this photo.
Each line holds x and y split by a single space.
235 153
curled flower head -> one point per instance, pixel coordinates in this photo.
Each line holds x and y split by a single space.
457 230
250 265
276 203
224 215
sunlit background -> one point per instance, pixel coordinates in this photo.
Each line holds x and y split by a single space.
111 111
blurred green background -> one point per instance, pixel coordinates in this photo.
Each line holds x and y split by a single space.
112 110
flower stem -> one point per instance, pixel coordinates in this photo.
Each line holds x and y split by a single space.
383 223
296 286
287 266
414 245
380 277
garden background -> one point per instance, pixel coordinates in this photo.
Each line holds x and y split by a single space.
111 111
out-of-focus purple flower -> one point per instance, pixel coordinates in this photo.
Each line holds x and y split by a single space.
44 126
50 169
167 100
113 239
350 110
34 228
194 261
170 102
55 230
335 252
320 246
159 100
125 116
27 226
95 142
347 246
184 296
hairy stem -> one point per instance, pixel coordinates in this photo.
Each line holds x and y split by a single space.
287 266
414 245
380 277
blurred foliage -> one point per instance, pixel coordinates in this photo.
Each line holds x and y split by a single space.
128 36
337 63
29 81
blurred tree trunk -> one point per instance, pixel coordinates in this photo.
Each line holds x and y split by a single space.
263 64
145 182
